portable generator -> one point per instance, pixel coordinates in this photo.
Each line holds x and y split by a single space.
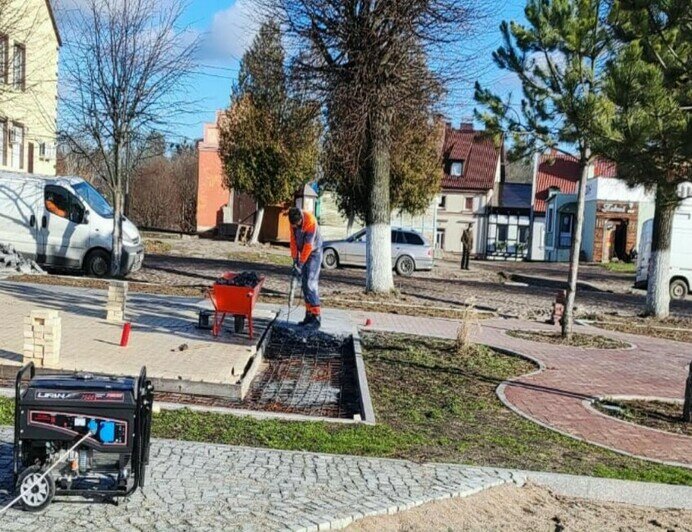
80 434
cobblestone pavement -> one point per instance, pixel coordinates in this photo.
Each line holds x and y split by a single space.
558 396
199 262
196 486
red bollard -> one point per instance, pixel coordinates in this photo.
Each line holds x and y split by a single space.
126 334
368 322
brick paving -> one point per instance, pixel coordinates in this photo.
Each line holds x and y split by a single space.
559 395
198 486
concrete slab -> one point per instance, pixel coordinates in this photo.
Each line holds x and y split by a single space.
164 335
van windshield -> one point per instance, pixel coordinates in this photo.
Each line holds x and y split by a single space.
94 199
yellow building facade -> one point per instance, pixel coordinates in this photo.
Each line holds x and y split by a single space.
29 49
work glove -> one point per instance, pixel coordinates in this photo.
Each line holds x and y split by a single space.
297 271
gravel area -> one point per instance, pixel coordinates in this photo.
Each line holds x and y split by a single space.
530 508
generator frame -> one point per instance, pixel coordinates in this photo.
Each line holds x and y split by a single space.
139 454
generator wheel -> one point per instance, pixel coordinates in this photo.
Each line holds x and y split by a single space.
36 494
239 324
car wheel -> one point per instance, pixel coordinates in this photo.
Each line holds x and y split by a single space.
678 289
97 263
405 266
330 260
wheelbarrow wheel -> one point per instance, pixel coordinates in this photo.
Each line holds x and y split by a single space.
239 324
36 492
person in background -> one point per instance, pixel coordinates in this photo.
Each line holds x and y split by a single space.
306 250
467 245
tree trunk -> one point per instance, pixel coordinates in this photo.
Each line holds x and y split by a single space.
378 249
116 255
258 226
575 249
687 408
658 289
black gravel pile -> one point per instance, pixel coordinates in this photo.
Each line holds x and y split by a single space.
245 279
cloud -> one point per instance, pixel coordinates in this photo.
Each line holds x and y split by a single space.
231 31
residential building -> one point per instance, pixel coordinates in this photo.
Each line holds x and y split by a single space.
555 172
29 47
614 213
472 167
509 213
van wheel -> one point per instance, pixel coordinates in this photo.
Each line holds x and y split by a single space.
405 266
97 263
678 289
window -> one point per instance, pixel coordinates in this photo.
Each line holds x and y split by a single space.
440 239
17 146
62 203
397 238
549 229
443 202
502 230
456 168
565 237
4 58
523 234
46 151
94 199
3 142
19 67
414 239
468 204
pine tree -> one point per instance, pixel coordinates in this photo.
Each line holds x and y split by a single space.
269 135
648 132
557 58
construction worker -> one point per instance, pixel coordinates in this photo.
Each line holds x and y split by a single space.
306 250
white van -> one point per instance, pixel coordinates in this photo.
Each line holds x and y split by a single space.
680 253
63 222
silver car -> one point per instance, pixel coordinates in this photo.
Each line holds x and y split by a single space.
410 252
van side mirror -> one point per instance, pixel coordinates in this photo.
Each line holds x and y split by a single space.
85 218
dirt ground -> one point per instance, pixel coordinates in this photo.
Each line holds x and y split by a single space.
530 508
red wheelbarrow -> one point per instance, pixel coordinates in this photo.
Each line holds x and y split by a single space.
239 301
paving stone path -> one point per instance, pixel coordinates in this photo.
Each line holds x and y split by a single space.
558 396
197 486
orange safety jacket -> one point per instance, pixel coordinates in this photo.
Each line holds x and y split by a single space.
306 238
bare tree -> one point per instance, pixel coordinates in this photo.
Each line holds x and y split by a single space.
122 82
372 58
164 192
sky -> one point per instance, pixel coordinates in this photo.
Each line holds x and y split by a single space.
225 28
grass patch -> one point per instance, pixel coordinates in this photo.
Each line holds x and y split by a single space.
672 328
620 267
654 414
156 247
431 405
589 341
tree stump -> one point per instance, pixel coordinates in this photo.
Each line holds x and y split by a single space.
687 409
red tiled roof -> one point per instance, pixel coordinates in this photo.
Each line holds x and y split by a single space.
562 171
555 170
479 155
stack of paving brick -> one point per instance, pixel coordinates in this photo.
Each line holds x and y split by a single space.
42 338
117 298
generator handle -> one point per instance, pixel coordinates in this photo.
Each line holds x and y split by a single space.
17 396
